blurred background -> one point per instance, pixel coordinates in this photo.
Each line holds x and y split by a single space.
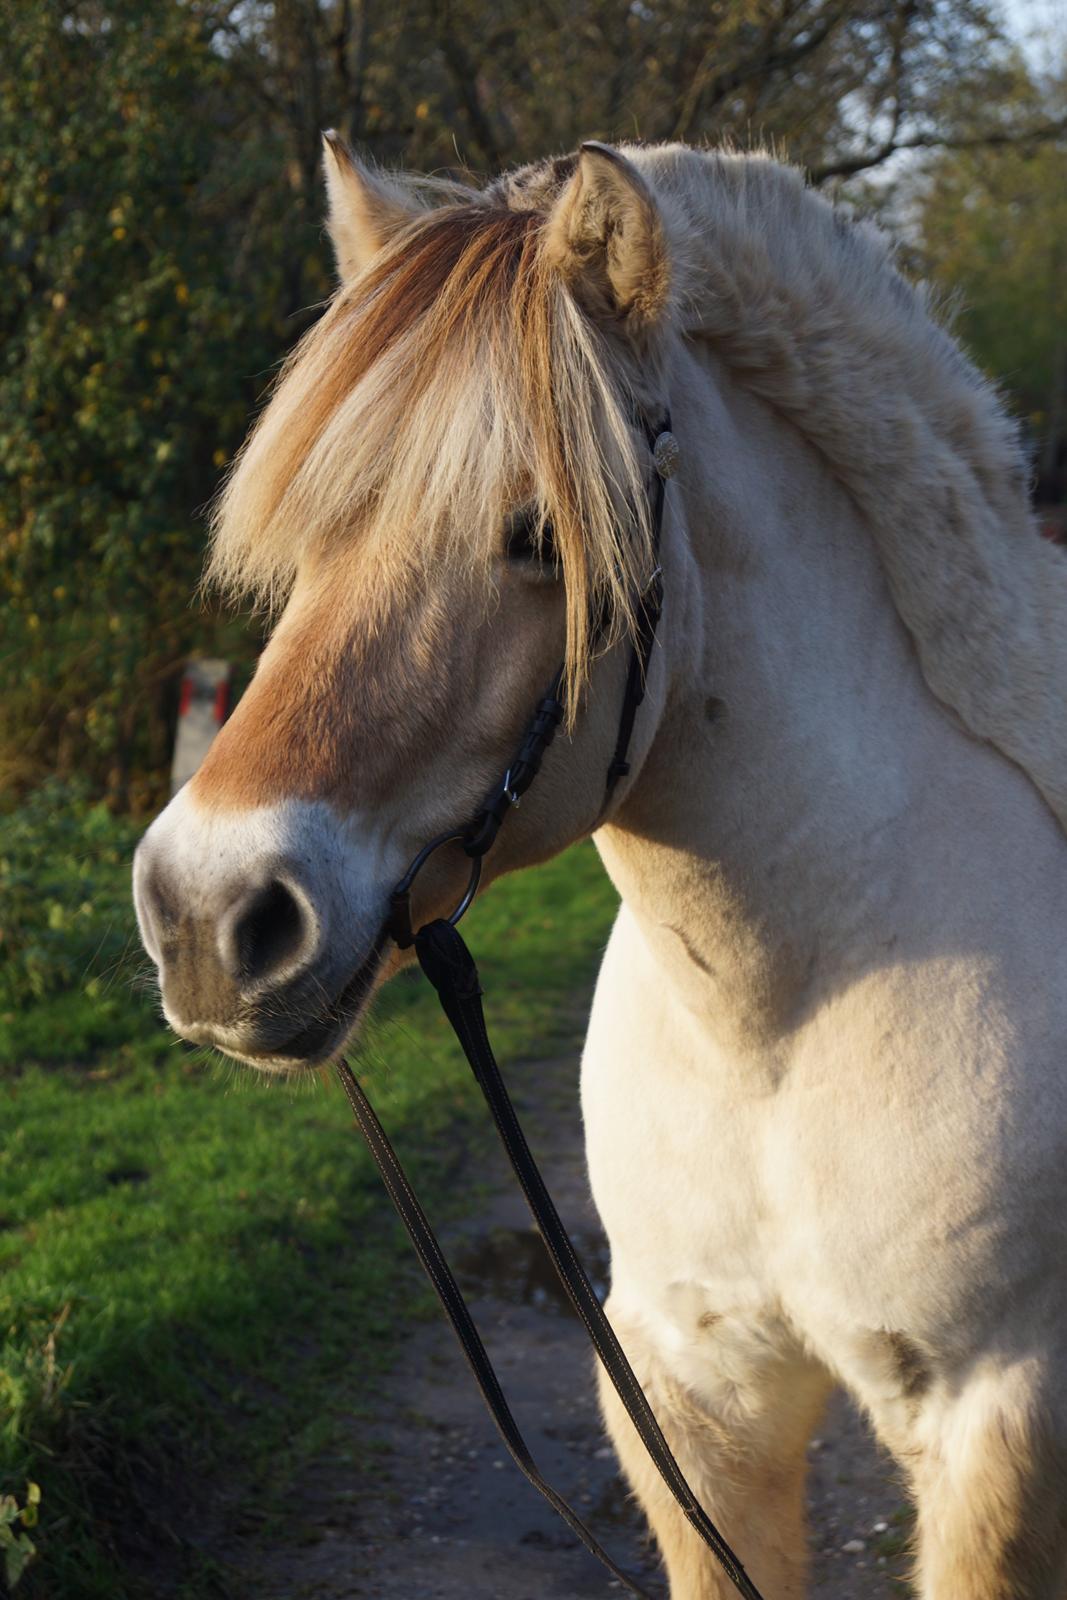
165 1246
162 247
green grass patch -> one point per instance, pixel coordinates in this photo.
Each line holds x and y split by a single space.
191 1254
65 923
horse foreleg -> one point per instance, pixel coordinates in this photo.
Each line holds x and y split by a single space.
741 1444
989 1467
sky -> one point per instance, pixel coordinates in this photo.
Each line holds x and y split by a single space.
1040 27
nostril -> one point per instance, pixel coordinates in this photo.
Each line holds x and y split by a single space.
270 934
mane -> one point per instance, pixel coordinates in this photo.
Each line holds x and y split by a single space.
457 377
452 381
807 310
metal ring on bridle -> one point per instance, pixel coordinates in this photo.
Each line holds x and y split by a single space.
400 907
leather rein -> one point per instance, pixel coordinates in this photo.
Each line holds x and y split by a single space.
448 964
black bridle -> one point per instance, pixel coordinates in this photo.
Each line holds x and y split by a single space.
448 964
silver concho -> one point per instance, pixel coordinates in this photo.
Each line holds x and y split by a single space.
666 454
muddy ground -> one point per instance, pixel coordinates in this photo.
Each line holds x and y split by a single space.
439 1511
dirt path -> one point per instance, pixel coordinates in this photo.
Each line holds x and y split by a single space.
440 1513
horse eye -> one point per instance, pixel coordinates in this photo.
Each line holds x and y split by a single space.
528 540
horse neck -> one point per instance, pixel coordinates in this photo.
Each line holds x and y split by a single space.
760 846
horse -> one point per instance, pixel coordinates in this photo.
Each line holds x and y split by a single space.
823 1086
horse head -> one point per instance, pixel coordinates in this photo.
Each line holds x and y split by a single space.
446 496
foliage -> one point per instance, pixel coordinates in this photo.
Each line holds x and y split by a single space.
125 337
19 1549
196 1263
161 248
993 232
66 922
443 82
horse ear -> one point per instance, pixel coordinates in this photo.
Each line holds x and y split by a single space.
365 211
606 236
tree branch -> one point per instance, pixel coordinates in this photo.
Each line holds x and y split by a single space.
464 81
931 140
765 63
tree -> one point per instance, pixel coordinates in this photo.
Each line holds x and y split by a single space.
162 245
127 342
840 85
992 232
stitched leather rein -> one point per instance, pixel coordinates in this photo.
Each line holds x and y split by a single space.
448 964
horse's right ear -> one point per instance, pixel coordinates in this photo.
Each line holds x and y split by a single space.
606 236
365 211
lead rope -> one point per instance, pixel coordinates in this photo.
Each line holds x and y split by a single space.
457 1311
448 964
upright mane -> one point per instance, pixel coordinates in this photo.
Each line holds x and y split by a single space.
453 380
808 311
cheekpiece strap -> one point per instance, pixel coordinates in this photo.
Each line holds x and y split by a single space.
525 765
666 454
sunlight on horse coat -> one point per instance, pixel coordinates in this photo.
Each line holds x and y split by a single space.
824 1086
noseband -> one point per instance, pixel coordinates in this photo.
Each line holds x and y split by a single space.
448 964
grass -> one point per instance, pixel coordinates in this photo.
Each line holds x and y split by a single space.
191 1255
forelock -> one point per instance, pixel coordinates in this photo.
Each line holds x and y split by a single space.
453 377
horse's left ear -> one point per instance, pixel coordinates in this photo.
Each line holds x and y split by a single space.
606 236
365 210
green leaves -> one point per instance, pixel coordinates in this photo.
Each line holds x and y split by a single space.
127 340
17 1546
993 231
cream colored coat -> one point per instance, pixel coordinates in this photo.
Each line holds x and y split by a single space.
825 1082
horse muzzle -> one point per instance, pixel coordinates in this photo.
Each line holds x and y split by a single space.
265 929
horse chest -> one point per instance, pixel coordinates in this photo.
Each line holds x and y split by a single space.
728 1189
